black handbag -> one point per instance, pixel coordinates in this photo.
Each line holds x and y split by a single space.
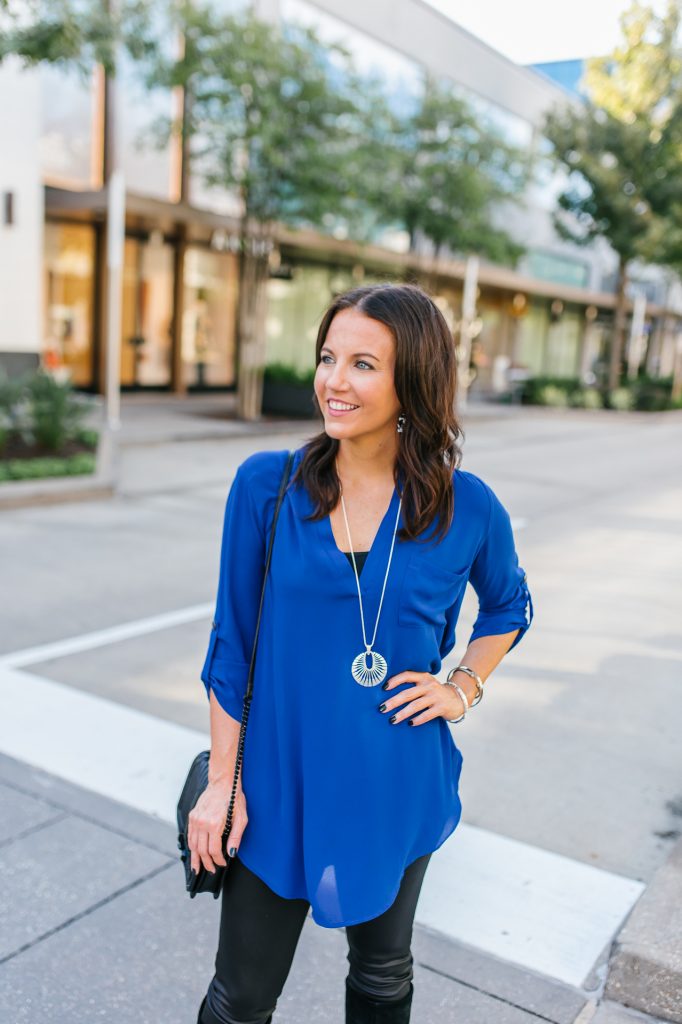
197 777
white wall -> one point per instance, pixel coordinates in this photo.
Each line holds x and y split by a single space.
21 243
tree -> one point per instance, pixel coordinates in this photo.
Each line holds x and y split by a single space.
622 150
442 171
78 33
270 118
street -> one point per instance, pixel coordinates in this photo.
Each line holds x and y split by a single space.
572 762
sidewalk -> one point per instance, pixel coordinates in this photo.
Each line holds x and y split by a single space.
96 925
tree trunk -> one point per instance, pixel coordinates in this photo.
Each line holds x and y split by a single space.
251 315
618 335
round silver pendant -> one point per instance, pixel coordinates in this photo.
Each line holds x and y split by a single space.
369 675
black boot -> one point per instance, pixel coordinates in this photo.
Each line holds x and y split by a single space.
200 1020
361 1009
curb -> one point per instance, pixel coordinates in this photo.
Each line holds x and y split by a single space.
645 969
54 490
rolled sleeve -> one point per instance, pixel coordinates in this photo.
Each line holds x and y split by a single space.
500 584
240 582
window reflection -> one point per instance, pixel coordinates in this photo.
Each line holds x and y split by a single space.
146 342
208 321
69 278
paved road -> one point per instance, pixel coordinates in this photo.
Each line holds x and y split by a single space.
573 760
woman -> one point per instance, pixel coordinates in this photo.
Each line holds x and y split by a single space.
350 773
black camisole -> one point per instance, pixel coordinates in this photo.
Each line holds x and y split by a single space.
360 557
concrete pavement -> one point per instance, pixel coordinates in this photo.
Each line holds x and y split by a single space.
569 771
96 925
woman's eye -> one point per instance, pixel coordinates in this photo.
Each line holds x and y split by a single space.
364 363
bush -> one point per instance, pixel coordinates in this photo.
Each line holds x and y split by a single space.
585 398
285 374
35 469
56 411
649 394
552 395
533 390
652 394
621 398
42 413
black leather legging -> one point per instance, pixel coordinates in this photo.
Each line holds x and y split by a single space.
259 932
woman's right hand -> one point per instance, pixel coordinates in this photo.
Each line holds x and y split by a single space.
206 822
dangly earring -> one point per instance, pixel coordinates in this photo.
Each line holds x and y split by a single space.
401 423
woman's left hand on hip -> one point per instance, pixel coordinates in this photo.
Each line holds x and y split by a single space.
427 699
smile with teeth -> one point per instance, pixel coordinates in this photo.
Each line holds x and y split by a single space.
333 404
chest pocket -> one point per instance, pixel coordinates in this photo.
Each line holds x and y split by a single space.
428 590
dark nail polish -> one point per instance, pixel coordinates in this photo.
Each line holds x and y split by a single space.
392 718
382 707
384 686
233 850
410 722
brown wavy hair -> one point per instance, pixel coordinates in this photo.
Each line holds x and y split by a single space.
425 380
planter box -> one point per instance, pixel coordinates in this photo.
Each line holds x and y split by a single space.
287 398
51 489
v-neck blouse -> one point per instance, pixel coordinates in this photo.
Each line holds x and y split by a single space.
339 800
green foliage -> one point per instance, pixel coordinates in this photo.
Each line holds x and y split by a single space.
35 469
550 394
533 388
607 162
12 405
621 398
623 147
441 169
56 411
43 411
79 33
652 394
90 438
585 398
268 114
285 374
647 394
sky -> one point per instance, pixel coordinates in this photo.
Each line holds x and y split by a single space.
533 31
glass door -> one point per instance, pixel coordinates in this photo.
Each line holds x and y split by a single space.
147 314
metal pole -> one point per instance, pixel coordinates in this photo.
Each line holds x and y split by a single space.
115 246
636 335
468 317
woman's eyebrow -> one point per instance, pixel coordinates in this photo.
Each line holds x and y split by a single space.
355 354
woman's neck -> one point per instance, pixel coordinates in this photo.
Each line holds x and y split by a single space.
366 464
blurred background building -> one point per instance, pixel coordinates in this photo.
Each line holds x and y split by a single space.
550 315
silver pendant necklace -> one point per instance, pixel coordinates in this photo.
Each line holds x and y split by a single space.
364 674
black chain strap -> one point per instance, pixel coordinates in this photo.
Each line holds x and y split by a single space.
249 685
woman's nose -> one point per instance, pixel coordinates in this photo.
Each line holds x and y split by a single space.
337 378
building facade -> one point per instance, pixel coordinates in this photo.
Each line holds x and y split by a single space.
551 315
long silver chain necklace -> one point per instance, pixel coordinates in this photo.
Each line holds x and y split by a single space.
364 674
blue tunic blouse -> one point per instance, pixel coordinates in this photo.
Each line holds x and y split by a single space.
340 801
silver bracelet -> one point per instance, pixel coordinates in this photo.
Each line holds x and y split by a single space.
464 700
476 678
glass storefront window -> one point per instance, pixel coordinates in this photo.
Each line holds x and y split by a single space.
530 346
295 308
69 291
563 344
66 137
147 314
209 317
146 166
